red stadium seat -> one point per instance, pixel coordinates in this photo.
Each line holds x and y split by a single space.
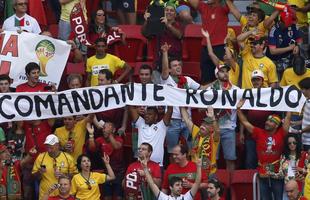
141 6
224 177
242 184
53 28
191 47
191 69
75 68
133 50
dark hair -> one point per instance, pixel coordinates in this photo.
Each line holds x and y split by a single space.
304 83
217 184
101 40
260 13
286 150
74 76
149 146
183 148
79 161
31 66
173 59
154 108
5 77
108 73
299 65
93 26
146 66
174 179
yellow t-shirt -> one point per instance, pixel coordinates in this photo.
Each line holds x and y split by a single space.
261 30
307 186
290 78
264 64
302 18
231 36
64 163
110 62
80 189
206 147
66 10
234 74
78 135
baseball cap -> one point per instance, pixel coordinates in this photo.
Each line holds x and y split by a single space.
51 139
220 66
257 73
2 148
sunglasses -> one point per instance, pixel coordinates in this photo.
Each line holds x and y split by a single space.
292 143
22 4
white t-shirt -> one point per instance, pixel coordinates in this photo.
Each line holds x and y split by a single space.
191 84
186 196
155 136
27 23
306 122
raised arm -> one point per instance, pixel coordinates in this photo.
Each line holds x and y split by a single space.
210 113
287 122
167 116
149 178
230 59
268 22
211 53
185 116
127 69
196 185
106 160
134 113
91 140
234 10
165 61
242 117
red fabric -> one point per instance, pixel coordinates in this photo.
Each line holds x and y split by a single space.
258 118
115 116
59 198
27 88
133 176
37 11
214 20
288 16
16 168
40 131
188 172
268 155
116 155
221 198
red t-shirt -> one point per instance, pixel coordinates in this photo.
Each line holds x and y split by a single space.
36 135
135 185
215 20
27 88
116 155
269 149
60 198
188 172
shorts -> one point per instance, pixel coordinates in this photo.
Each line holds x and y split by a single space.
228 143
128 6
113 188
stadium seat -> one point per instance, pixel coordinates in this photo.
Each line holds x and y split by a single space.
224 177
241 186
192 69
53 28
133 50
141 6
191 46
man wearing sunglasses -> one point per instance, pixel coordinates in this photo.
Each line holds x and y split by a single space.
21 21
269 147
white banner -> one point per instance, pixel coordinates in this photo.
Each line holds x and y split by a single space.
17 50
44 105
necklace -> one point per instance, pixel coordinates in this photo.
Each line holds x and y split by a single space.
87 180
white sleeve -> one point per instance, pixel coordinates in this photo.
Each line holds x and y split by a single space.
139 122
192 84
163 196
36 27
188 195
5 25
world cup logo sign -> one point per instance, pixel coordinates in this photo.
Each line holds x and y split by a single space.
45 50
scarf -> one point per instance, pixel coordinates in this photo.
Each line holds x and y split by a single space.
204 151
181 81
10 182
226 86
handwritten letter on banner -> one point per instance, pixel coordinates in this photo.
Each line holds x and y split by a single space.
16 50
29 106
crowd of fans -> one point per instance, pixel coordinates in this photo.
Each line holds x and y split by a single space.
82 157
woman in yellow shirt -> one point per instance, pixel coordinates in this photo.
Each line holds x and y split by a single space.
85 184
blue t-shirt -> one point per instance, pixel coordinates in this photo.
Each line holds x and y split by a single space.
282 38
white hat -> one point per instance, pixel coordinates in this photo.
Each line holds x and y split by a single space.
257 73
220 66
51 139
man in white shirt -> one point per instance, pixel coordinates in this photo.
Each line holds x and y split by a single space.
21 21
152 131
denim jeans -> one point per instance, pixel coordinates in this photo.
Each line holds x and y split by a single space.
250 154
64 30
177 128
271 187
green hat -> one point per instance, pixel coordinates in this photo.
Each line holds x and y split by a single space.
172 3
208 120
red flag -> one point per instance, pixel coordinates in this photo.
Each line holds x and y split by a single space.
113 36
37 11
79 24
